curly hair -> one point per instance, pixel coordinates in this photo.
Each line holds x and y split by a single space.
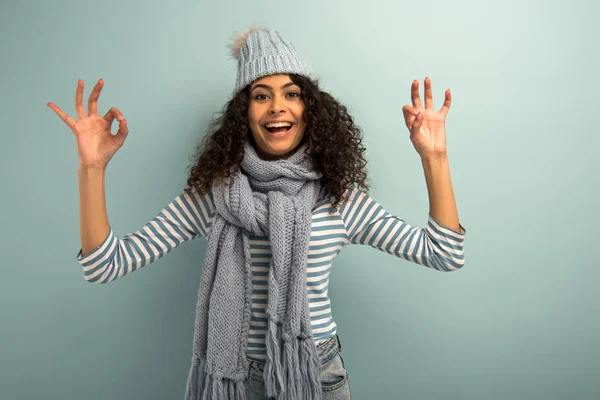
334 142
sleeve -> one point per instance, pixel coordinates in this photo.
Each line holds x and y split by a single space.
435 246
188 216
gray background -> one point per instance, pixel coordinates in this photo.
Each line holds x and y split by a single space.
521 320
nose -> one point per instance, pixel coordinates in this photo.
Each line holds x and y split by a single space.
276 107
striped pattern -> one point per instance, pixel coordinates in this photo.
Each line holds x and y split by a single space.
359 220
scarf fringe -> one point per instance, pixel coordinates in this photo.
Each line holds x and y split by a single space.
205 386
294 371
304 369
312 368
272 375
223 389
191 391
293 367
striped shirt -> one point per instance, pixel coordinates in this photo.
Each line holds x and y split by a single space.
358 220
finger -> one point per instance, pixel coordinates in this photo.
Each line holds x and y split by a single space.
428 94
446 107
112 114
93 99
79 110
409 115
414 94
416 123
63 115
122 132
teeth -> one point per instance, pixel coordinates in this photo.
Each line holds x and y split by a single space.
277 124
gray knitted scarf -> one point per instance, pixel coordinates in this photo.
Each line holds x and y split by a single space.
265 198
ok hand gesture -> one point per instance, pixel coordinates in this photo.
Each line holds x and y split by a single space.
96 145
427 126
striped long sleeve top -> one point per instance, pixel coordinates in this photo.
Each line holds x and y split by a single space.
358 220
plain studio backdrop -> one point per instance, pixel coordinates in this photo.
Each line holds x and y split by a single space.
521 320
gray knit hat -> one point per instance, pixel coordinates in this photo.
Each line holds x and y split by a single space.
262 52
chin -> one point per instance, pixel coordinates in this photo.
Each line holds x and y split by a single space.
277 150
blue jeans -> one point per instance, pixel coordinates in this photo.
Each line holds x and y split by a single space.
334 377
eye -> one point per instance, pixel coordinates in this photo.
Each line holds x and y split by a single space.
294 94
260 96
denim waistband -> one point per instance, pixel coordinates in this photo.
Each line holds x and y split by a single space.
326 351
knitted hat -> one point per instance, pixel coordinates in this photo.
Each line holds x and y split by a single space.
262 52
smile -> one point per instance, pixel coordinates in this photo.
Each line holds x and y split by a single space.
278 129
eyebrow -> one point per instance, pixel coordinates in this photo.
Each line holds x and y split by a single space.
270 88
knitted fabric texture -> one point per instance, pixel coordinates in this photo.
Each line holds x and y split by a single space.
266 198
262 52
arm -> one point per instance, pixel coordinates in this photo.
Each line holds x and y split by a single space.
436 246
93 220
428 135
442 205
187 217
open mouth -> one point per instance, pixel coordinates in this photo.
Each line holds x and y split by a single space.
279 128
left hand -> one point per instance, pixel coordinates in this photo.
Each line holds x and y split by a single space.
427 126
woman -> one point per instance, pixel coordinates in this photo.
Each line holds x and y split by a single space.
278 187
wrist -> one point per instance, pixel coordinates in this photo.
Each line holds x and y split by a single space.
85 167
91 169
436 159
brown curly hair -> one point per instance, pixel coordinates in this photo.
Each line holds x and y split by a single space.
334 142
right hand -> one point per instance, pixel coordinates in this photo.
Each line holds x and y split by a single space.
96 145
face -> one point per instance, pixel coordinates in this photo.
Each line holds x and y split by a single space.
275 114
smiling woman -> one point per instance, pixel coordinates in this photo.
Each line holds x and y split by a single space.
278 188
276 116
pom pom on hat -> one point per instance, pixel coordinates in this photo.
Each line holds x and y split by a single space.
240 39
